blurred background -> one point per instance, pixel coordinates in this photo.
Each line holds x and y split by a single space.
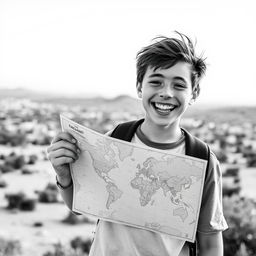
78 58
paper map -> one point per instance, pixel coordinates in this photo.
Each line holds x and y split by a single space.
135 185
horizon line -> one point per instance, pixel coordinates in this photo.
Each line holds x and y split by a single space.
83 95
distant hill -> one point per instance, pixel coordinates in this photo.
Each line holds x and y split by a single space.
232 115
122 102
236 114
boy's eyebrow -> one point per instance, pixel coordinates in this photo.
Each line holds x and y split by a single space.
162 76
156 75
180 78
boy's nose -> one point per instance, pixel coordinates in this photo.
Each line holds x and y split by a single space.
166 92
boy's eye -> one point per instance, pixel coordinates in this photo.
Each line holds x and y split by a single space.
180 86
155 83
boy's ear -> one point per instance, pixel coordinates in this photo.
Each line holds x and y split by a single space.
192 100
139 90
195 94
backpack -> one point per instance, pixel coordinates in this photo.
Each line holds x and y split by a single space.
193 147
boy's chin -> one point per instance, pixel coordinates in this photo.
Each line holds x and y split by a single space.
161 121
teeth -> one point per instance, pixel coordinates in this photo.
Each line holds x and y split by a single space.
164 106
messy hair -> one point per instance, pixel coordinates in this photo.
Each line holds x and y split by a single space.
166 52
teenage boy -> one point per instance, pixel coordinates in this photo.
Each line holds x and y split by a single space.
168 76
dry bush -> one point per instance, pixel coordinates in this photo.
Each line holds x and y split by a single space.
3 183
9 247
14 200
20 201
61 250
82 245
241 235
49 194
74 219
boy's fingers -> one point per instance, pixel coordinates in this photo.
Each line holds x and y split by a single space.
63 160
63 144
60 153
64 136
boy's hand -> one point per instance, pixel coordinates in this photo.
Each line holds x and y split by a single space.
63 151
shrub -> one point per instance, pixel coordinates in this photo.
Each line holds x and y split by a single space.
221 155
51 186
14 200
237 180
74 219
79 244
28 204
230 191
6 168
20 201
251 161
231 172
71 219
3 183
49 194
32 159
12 138
26 171
240 216
9 247
60 250
38 224
16 161
12 162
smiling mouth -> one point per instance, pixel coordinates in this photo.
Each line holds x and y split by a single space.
163 108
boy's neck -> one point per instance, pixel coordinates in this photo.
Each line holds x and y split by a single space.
161 134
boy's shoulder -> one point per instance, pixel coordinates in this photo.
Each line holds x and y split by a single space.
196 147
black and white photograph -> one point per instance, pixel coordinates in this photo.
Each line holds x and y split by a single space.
156 155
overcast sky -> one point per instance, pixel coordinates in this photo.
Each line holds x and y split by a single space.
89 47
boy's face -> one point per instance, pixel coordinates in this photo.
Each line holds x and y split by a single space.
166 93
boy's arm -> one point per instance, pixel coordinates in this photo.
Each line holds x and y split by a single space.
67 195
210 244
211 218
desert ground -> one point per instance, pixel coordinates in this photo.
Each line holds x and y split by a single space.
19 225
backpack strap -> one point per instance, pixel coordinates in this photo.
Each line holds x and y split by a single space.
125 131
196 148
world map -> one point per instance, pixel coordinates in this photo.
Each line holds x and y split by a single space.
134 185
